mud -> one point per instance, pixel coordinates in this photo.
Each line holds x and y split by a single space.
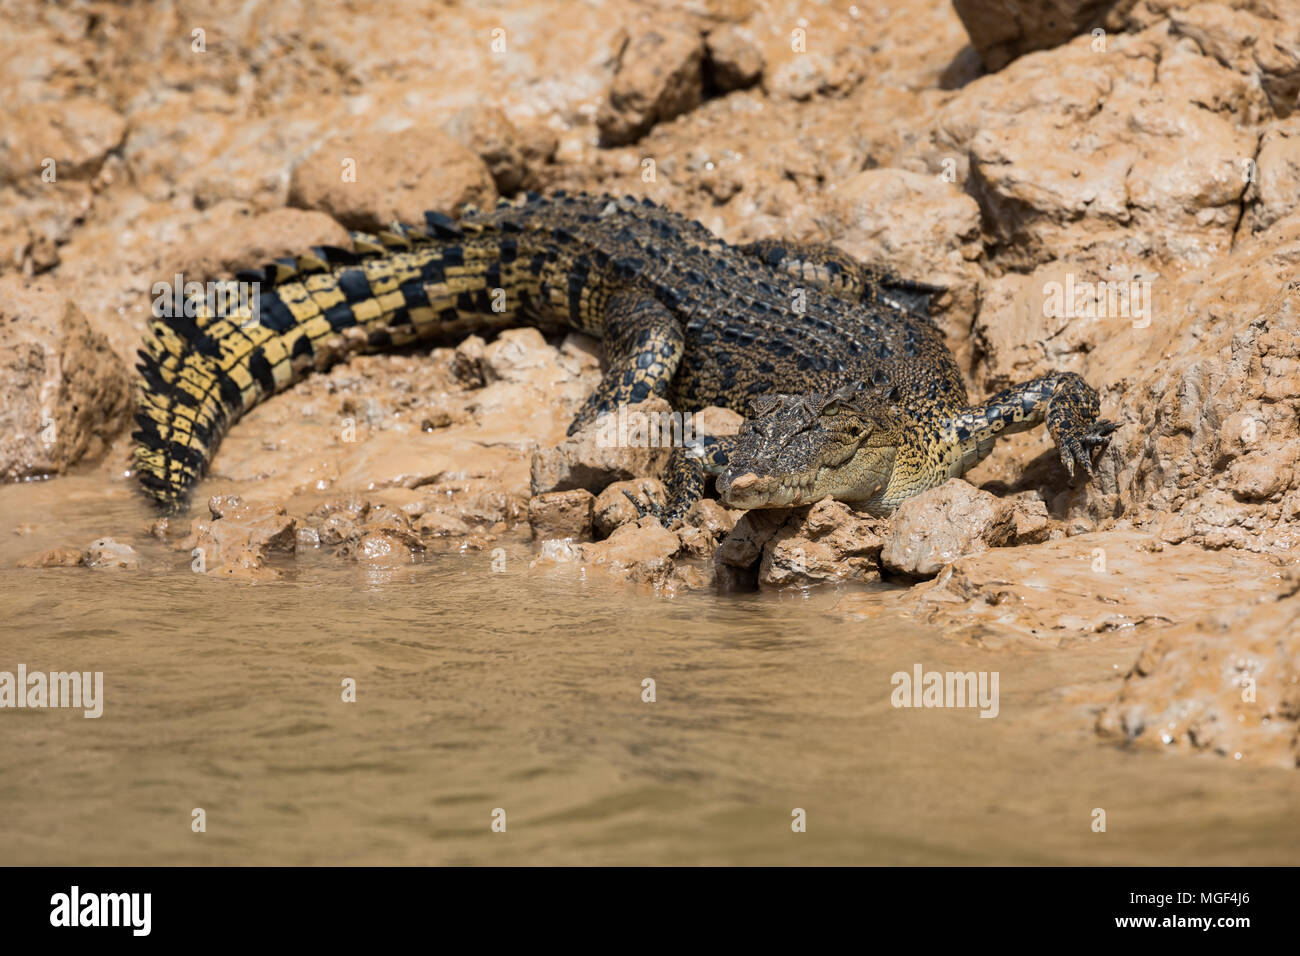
1154 170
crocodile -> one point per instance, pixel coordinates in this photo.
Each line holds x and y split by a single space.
849 386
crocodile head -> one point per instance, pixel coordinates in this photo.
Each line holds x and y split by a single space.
797 449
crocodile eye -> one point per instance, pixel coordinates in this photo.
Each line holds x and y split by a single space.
831 409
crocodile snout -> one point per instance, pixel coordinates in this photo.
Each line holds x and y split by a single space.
745 490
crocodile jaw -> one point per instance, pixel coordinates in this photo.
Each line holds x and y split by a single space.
860 478
750 490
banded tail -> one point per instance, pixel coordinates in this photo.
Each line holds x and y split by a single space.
203 369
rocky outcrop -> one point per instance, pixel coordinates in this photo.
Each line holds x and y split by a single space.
1115 586
1002 31
369 179
64 395
1122 160
561 514
735 60
238 538
45 143
1258 38
827 542
1228 683
658 76
632 443
938 526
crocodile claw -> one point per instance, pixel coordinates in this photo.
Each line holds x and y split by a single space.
1099 434
643 508
1077 452
646 504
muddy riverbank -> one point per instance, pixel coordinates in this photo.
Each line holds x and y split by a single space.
1122 204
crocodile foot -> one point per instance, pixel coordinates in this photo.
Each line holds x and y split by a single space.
1077 450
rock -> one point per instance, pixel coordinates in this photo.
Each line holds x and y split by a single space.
476 501
236 539
385 548
232 239
263 526
1112 586
643 551
55 558
936 527
1218 440
562 514
33 229
808 74
716 421
537 145
439 524
397 177
514 356
613 509
378 534
1258 478
657 78
245 565
336 522
744 544
1228 683
107 554
1272 194
1266 48
68 139
617 447
64 394
703 529
1104 159
712 518
825 542
487 131
374 534
467 365
557 553
1019 332
1002 31
1019 520
734 60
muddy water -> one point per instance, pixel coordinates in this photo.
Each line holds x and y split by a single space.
479 690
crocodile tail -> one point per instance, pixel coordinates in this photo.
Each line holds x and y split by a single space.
204 366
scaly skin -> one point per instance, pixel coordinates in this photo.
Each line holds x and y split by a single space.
683 315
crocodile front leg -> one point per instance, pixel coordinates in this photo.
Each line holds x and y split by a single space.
644 345
1064 400
684 478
